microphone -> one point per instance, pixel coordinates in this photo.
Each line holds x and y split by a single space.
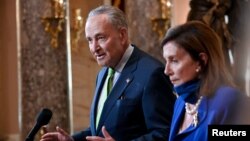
42 119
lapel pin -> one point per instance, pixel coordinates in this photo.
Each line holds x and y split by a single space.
127 80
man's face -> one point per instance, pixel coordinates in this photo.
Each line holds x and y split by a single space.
106 43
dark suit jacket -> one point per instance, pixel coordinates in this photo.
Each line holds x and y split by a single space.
140 105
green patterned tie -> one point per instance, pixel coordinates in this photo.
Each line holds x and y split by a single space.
110 77
107 86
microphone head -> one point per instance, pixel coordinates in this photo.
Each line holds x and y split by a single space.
44 117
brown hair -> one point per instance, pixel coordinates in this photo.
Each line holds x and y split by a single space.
196 37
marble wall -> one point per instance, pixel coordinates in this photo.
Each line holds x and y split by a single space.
43 68
140 14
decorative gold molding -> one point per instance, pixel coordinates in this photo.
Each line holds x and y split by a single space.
116 3
53 24
162 23
76 28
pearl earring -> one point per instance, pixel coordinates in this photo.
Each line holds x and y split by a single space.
198 69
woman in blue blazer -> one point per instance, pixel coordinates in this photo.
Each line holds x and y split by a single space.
205 89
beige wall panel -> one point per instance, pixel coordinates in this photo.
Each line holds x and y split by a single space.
84 69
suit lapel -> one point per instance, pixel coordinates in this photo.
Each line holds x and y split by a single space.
124 80
99 84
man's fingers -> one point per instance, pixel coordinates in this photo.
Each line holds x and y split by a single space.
60 130
105 132
94 138
44 130
49 135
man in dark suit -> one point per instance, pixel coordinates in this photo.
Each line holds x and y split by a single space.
139 106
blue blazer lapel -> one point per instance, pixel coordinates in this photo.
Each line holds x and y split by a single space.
178 117
99 84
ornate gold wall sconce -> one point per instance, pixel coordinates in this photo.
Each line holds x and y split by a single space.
53 25
76 28
161 24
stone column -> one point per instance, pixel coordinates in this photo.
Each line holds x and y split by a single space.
140 14
43 68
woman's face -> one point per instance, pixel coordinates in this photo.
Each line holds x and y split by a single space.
180 67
